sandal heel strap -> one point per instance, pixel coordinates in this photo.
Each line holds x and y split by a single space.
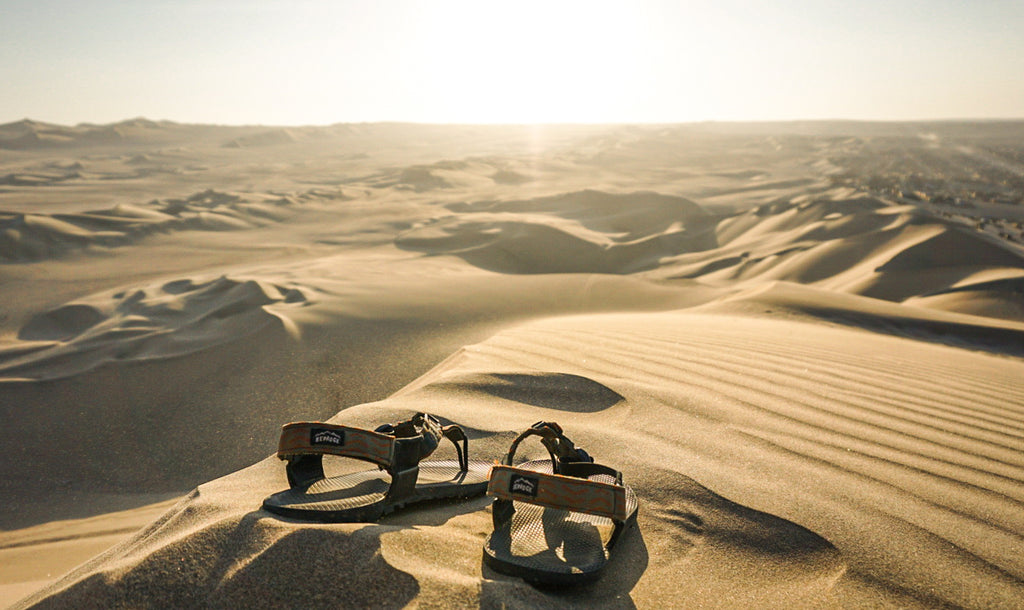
318 438
559 492
457 435
561 449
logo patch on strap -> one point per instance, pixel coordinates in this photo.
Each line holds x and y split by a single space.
323 436
522 485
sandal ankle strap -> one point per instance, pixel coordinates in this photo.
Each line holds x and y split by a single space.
561 449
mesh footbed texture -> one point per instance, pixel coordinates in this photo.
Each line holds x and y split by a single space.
333 496
540 541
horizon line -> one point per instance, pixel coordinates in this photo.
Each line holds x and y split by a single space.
521 124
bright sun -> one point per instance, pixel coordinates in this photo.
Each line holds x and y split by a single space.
530 61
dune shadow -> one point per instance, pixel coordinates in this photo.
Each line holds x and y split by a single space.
249 561
725 554
994 338
560 391
35 505
43 236
691 510
320 568
586 231
166 320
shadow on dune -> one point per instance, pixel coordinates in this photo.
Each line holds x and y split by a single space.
202 553
633 214
559 391
1003 298
57 503
248 561
581 232
167 425
158 321
717 553
33 237
992 339
524 246
920 323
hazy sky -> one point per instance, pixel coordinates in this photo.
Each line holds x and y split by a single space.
326 61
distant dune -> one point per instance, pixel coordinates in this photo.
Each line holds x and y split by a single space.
800 342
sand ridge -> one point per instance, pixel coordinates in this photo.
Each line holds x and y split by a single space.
810 381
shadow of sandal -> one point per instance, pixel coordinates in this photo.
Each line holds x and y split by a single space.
612 590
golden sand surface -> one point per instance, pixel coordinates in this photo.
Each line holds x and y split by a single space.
801 343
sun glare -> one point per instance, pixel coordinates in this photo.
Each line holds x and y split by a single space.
460 61
529 62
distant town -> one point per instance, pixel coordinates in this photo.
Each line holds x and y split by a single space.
978 181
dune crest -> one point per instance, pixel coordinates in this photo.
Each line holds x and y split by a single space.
859 246
937 325
27 237
165 321
582 232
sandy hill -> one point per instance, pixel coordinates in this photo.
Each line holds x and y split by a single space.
811 382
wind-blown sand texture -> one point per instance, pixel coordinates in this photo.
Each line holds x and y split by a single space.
801 343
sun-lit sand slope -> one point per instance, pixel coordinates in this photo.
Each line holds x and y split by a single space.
842 467
810 377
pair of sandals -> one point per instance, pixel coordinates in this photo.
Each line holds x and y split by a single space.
555 521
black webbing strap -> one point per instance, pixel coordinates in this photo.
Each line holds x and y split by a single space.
415 439
561 449
457 435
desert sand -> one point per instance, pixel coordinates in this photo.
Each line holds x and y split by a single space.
801 343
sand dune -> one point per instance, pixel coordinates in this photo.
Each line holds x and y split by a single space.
174 319
881 467
583 232
40 236
811 382
783 299
862 246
